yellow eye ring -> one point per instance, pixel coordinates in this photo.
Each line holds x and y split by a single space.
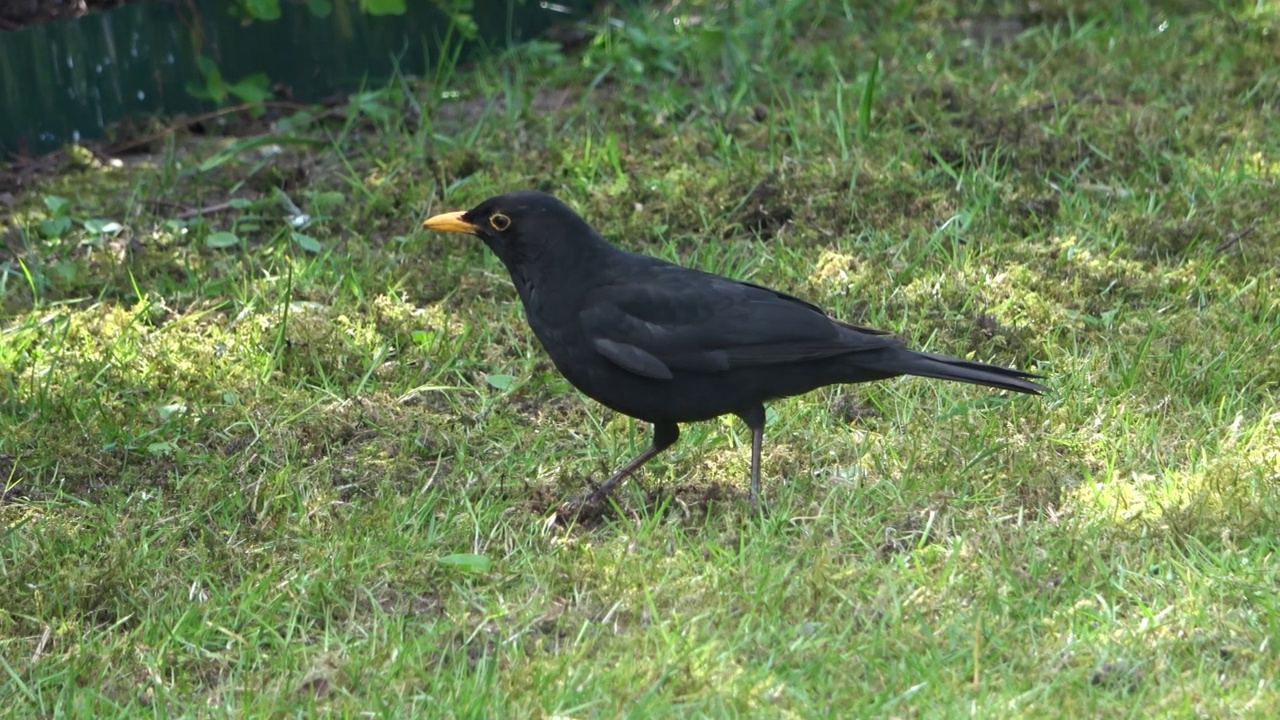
499 221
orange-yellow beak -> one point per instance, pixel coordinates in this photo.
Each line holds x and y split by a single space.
450 222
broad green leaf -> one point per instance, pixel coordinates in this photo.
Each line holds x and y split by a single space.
308 243
263 9
207 66
162 448
254 88
222 240
468 562
55 228
502 382
98 226
57 205
383 7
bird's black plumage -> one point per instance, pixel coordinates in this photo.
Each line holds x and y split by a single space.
668 344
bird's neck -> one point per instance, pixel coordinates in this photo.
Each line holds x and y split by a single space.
570 271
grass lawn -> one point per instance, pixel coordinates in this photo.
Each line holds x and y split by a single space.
257 464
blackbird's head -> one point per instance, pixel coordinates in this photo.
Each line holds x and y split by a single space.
523 229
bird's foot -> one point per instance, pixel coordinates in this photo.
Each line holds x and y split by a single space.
759 508
585 507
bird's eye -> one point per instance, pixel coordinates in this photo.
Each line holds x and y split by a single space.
499 221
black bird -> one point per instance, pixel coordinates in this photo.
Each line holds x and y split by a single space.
669 345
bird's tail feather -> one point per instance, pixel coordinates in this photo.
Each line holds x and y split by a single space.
943 367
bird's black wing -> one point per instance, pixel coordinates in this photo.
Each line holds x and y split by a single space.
673 318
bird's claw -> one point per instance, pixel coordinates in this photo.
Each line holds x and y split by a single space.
587 506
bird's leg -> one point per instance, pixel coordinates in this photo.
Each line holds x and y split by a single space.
754 419
757 440
664 436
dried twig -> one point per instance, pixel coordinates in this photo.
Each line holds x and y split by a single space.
188 122
208 210
43 644
1235 237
